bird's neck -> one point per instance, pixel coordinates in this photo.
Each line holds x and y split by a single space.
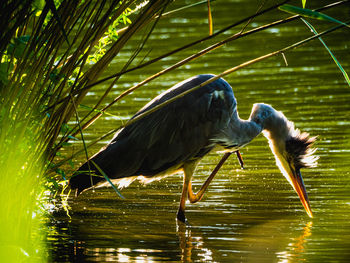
247 129
240 132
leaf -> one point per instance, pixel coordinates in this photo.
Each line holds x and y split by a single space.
329 51
308 13
62 173
18 46
108 180
72 137
65 128
304 3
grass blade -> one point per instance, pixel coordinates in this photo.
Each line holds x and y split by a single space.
52 7
210 19
86 153
98 111
185 7
231 70
308 13
108 180
329 51
304 3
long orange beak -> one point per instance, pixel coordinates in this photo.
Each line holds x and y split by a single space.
297 182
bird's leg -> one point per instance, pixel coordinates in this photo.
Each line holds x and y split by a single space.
240 160
198 196
188 172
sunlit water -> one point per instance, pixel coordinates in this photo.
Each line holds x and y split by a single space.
250 215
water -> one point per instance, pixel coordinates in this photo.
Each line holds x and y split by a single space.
249 215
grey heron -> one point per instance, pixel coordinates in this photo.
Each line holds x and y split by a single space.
175 138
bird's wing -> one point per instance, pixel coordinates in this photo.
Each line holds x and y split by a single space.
179 132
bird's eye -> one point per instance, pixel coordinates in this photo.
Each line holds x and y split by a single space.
264 114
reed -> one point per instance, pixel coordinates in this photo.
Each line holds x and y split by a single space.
51 54
49 51
242 33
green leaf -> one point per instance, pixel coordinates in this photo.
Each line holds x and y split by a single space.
65 128
18 46
62 173
329 51
308 13
72 137
108 180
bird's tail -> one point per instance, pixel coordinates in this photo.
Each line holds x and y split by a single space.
84 178
116 161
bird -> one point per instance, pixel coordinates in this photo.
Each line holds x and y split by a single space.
174 138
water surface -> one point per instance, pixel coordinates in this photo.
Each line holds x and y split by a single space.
250 215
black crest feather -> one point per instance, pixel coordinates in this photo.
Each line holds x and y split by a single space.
299 148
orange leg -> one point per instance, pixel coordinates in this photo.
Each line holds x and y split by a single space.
198 196
188 172
240 160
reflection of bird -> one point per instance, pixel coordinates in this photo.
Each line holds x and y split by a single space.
174 138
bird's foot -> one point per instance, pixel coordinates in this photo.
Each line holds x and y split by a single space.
180 216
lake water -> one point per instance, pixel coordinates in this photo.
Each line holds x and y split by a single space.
250 215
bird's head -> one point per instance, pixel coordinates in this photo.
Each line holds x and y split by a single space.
291 148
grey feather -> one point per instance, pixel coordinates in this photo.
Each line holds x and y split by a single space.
180 131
